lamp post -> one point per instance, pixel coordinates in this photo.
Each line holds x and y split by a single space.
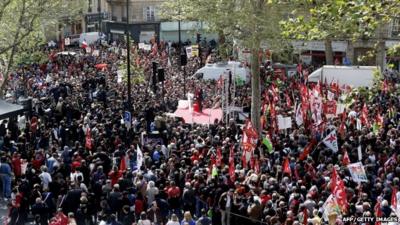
128 55
99 14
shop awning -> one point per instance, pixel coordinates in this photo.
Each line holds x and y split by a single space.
8 109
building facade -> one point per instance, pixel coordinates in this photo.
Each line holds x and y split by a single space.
354 52
144 20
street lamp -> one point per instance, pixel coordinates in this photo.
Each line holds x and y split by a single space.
128 55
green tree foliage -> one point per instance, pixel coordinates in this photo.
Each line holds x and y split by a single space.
22 25
249 22
338 19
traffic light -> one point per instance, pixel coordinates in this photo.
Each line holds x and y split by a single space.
198 38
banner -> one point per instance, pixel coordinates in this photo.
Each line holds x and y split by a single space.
141 45
330 107
67 41
357 172
147 47
195 50
284 122
95 53
189 52
330 207
331 141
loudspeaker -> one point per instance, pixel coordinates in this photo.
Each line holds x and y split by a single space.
160 73
183 59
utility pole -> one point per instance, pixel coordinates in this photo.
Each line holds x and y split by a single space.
99 14
128 56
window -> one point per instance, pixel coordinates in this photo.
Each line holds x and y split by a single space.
149 13
396 27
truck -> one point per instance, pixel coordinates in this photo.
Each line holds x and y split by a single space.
91 37
353 76
215 70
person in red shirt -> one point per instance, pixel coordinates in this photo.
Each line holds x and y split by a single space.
174 194
114 175
16 164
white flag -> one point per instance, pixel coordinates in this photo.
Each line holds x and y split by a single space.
331 141
359 152
139 157
299 116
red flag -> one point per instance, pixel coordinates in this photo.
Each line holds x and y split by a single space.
122 164
212 162
88 139
339 191
393 202
220 82
334 180
286 167
84 44
379 119
219 157
385 86
244 160
257 166
232 165
288 100
364 115
342 127
296 173
378 211
306 151
305 216
346 158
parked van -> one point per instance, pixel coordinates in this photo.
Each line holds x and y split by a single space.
215 70
91 37
354 76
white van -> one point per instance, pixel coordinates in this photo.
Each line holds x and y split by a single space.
91 37
354 76
214 71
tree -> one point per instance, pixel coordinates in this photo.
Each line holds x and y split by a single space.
339 19
22 27
249 22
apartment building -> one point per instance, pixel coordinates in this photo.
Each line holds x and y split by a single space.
144 20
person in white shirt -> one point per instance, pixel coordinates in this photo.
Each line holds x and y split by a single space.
45 177
173 221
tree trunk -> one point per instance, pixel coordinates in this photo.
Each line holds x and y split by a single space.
380 54
222 46
328 52
255 89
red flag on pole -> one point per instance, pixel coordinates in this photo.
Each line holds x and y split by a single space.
88 139
288 100
339 191
122 164
232 165
306 151
393 202
346 158
364 115
378 211
286 167
219 157
305 216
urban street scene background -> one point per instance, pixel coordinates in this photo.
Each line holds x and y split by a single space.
199 112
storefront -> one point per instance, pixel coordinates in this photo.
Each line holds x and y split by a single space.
313 52
140 32
93 20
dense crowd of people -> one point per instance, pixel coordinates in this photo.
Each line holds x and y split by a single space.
73 159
